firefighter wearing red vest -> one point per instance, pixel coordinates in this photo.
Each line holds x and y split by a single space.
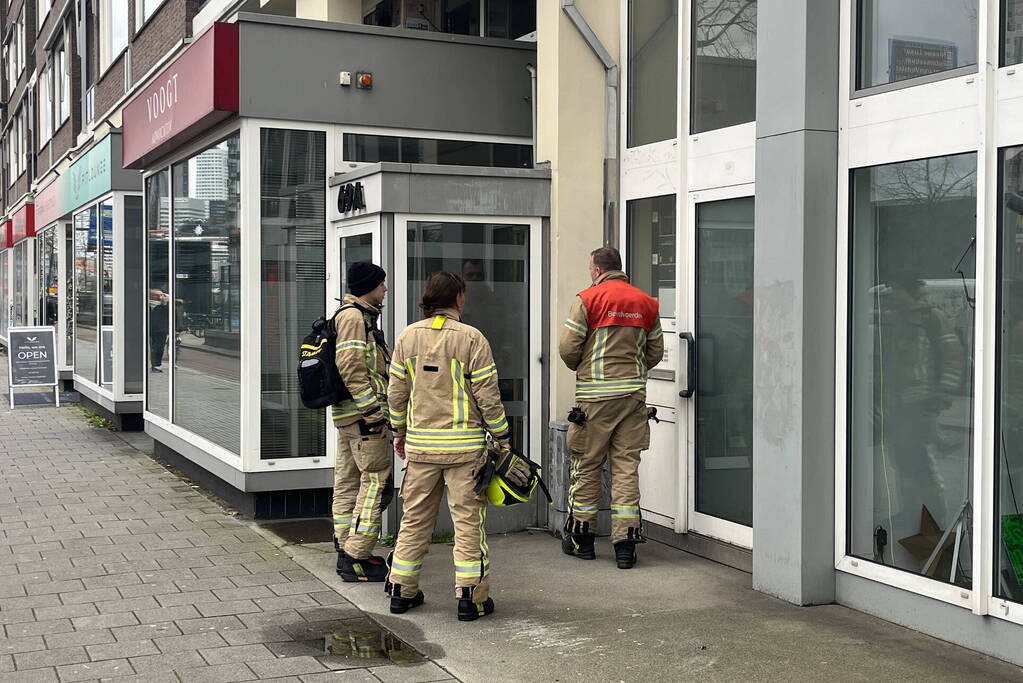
612 338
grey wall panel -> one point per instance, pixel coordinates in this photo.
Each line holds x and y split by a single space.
290 71
479 196
121 178
957 625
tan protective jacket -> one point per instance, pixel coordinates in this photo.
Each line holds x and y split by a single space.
443 392
362 364
610 361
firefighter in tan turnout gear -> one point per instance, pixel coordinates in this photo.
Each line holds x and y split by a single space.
362 473
444 401
611 338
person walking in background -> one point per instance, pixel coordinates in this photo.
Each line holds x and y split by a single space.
611 339
444 401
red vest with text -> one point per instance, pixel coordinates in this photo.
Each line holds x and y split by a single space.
616 303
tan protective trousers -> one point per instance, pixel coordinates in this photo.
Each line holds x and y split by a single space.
360 474
421 491
617 429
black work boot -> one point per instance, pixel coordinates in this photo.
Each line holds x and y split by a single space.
351 569
399 604
471 611
579 545
625 554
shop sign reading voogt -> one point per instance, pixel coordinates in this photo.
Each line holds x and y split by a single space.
195 92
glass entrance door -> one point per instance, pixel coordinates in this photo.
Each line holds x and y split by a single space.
499 261
720 463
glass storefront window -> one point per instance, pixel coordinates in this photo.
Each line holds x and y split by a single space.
70 301
504 18
133 306
651 248
1012 32
293 272
5 293
106 281
724 63
653 71
494 261
911 344
86 294
48 277
158 300
207 294
19 286
904 39
375 148
1008 542
724 329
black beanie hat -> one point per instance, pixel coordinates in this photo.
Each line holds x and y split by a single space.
364 277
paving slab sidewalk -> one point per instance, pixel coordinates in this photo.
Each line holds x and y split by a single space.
675 617
114 568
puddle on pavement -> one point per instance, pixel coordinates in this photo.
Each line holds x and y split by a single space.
363 639
301 531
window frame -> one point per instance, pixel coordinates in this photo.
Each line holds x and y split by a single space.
60 70
43 8
108 53
855 72
44 106
141 17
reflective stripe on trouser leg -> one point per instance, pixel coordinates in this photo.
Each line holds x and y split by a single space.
421 493
346 487
469 514
627 442
587 481
374 460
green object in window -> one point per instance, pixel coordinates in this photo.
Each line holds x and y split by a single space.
1012 539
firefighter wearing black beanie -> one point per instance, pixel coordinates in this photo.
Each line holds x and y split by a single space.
364 277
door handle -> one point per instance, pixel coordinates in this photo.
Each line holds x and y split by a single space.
690 387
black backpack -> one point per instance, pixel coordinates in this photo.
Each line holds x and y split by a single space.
320 384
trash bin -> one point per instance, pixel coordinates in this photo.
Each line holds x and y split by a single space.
557 472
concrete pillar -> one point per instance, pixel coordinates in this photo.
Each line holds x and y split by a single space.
794 262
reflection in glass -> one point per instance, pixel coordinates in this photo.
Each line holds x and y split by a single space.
19 290
1009 487
86 294
293 216
1012 27
106 215
5 294
504 18
494 261
653 70
48 280
724 63
651 249
69 297
354 249
904 39
207 294
374 148
724 327
911 365
158 300
132 309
